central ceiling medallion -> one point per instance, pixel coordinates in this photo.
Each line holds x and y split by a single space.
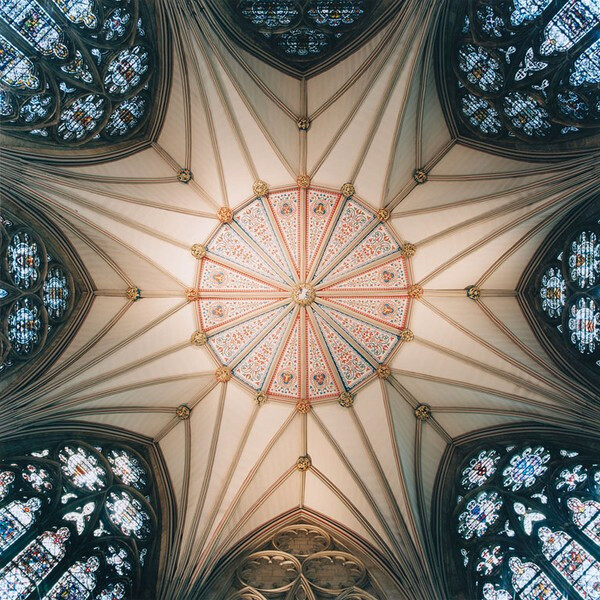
303 295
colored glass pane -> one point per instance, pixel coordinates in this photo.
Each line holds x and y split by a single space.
16 518
584 260
569 478
7 479
489 559
480 469
38 478
88 63
128 514
553 290
525 468
25 259
584 325
25 323
57 292
82 468
531 583
269 13
479 514
336 13
481 114
586 515
127 468
481 68
77 583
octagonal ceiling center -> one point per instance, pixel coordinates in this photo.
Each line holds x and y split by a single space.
303 294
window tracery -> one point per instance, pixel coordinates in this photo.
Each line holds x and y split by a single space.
72 526
75 71
567 293
526 69
527 522
37 294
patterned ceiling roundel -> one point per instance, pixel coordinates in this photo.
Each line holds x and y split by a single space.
303 294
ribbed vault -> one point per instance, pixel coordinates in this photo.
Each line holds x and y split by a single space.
476 219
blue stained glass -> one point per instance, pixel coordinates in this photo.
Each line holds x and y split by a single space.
25 325
335 13
269 13
527 10
572 105
79 11
36 108
8 108
526 114
127 70
525 468
584 325
481 68
16 69
584 259
30 20
586 68
479 514
116 24
24 260
303 42
15 519
81 118
481 114
78 69
552 292
56 292
569 25
529 65
490 21
126 116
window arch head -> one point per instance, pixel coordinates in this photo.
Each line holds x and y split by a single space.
38 291
560 294
522 74
78 519
522 519
77 73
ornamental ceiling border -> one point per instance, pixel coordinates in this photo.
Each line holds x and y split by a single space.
20 148
526 293
22 204
521 150
220 17
458 450
149 449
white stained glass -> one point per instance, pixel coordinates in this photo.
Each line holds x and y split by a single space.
531 583
128 514
80 516
16 69
527 516
525 468
527 10
586 515
6 480
79 11
82 468
553 292
77 583
586 68
127 468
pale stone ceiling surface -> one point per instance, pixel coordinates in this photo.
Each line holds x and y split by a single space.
477 220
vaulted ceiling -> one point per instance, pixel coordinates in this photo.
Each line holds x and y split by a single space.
477 219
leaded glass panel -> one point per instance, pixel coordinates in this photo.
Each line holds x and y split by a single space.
76 71
37 294
527 69
527 526
71 525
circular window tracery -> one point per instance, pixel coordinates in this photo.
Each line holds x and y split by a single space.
303 294
75 72
524 70
525 523
71 526
37 294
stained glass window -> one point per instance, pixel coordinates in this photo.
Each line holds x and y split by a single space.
75 71
527 69
37 294
71 525
527 523
568 292
300 31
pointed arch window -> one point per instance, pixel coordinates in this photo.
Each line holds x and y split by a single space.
37 293
76 521
76 72
526 523
563 293
524 70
